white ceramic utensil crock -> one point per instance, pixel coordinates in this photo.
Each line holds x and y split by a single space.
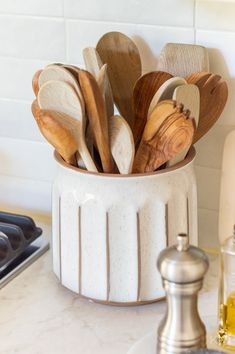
109 229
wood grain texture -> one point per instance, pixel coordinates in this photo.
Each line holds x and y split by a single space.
92 60
58 135
35 83
163 137
61 73
165 91
124 69
35 109
213 98
183 59
122 144
104 84
97 116
189 96
59 96
144 90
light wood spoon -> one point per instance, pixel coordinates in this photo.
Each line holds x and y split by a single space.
213 98
97 117
61 97
124 69
168 131
144 90
35 83
58 134
95 66
183 59
165 91
122 144
60 73
35 108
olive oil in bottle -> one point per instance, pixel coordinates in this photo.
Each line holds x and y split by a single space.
226 328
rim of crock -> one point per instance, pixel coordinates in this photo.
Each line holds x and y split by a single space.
190 157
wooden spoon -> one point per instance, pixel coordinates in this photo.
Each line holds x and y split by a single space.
35 83
35 109
58 134
183 59
97 117
168 131
92 60
144 90
122 144
165 91
104 84
61 97
60 73
124 69
213 97
189 96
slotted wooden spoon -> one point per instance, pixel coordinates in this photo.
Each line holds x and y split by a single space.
144 91
97 117
124 69
59 96
213 97
183 59
168 131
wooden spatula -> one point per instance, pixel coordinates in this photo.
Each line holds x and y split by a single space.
144 90
165 91
61 97
189 96
124 69
97 117
122 144
58 135
168 131
213 97
35 83
104 84
183 59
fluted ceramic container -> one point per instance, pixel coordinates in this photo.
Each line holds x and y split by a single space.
109 229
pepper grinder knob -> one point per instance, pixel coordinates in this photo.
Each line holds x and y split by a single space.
182 269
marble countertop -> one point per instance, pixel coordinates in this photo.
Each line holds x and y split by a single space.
39 316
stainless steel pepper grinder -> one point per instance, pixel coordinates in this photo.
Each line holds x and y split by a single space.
182 268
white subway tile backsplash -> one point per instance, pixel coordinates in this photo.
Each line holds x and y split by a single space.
208 180
27 194
16 121
149 39
208 229
32 7
216 15
16 77
161 12
27 159
210 147
35 38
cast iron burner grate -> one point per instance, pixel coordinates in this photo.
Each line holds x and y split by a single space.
21 243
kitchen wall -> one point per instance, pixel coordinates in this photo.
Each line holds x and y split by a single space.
34 33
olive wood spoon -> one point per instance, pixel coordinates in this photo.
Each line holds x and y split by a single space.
189 96
58 134
124 69
163 136
213 98
144 90
97 117
122 144
61 97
